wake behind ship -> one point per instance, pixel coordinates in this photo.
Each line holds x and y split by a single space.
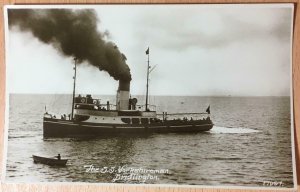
90 117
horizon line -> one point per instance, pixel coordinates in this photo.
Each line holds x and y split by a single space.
175 95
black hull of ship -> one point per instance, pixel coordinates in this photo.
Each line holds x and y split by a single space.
67 128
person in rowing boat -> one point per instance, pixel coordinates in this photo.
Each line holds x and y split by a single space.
58 156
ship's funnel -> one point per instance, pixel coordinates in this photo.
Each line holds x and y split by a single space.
123 95
124 86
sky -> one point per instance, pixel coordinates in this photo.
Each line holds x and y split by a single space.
205 50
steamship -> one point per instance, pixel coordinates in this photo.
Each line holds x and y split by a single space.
91 117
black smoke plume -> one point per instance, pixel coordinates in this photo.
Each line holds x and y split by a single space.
73 33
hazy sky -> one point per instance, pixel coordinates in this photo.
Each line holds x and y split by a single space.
238 50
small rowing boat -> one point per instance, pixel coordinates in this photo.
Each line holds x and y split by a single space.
49 161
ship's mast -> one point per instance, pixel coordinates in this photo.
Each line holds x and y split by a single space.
147 85
74 86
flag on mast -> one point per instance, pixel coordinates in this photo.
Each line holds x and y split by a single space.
208 109
147 51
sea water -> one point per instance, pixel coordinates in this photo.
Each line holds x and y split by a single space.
249 145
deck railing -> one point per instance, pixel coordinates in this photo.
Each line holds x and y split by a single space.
110 107
182 116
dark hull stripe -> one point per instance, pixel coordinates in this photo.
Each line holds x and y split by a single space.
70 129
111 127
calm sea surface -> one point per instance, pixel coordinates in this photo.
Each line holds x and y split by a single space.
249 144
